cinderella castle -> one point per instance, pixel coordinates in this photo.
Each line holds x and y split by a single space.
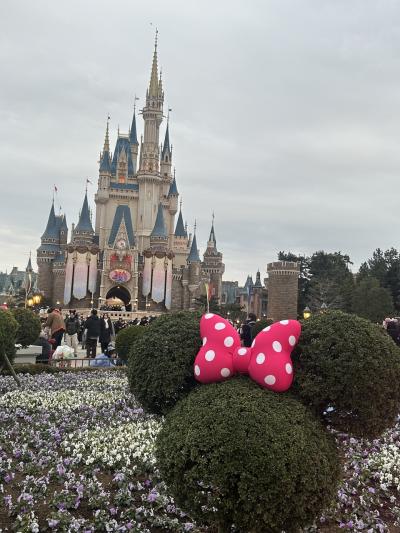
135 253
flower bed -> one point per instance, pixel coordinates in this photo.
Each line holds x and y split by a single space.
76 454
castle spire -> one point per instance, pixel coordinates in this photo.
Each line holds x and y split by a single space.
159 229
133 132
105 162
51 229
106 147
154 81
194 253
85 223
212 241
180 228
29 265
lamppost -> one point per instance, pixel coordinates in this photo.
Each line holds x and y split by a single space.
324 307
306 312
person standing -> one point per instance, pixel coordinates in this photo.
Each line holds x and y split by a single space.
106 332
247 330
56 324
92 326
71 331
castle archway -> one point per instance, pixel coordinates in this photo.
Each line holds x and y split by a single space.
119 296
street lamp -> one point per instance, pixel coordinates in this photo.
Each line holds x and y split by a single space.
306 312
30 302
324 307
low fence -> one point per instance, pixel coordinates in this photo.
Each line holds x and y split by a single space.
85 362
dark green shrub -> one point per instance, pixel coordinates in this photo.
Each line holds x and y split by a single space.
348 371
233 453
126 338
8 332
260 325
160 365
29 326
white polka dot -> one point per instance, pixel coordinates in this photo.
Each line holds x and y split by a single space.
260 358
267 328
292 340
284 322
228 342
225 372
242 351
208 315
253 343
204 340
219 326
289 368
270 379
210 355
197 370
277 346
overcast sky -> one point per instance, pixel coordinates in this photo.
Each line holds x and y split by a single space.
285 121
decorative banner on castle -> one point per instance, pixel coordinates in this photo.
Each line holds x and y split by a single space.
119 275
158 287
80 277
146 276
92 273
68 279
168 286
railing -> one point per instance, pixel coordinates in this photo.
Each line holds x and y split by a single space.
84 362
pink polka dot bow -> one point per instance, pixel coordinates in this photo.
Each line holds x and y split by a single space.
267 362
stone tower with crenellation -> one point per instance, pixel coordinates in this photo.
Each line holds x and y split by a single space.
283 282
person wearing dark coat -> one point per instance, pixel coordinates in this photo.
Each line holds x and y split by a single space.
106 332
45 354
92 326
247 330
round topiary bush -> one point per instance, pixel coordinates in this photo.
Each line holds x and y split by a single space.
8 331
348 371
235 454
260 325
29 326
160 366
126 338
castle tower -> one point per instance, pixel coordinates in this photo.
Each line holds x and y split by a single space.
194 267
283 281
133 140
83 232
257 296
49 248
166 155
213 265
159 235
149 179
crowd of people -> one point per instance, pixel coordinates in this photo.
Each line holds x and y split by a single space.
74 329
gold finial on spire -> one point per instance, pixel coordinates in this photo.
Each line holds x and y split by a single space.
134 103
154 83
195 226
180 204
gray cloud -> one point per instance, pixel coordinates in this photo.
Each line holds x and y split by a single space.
285 116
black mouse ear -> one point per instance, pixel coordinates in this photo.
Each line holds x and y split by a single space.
347 369
231 453
160 365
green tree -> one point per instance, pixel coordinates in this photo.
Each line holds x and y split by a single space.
385 267
234 312
201 304
372 301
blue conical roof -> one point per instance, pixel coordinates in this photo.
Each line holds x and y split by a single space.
212 235
159 229
105 162
173 189
194 253
133 132
84 224
64 223
166 146
258 283
180 228
51 231
29 265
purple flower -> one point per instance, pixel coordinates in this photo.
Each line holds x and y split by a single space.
53 523
152 496
188 526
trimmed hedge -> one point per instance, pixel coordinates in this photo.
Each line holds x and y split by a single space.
235 454
348 371
160 365
260 325
29 326
126 338
8 332
38 368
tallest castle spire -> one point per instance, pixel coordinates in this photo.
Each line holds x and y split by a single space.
152 116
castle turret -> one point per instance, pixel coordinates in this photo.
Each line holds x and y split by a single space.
166 155
173 199
49 248
213 265
133 141
159 235
63 230
83 232
283 285
105 163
